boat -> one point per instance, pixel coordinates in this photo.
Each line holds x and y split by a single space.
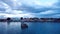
23 26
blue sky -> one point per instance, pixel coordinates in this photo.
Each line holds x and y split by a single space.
30 8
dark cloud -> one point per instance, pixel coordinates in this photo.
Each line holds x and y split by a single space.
8 2
2 9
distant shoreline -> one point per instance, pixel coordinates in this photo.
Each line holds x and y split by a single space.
31 20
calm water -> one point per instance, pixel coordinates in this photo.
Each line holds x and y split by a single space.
33 28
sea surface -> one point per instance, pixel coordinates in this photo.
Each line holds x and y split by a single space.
33 28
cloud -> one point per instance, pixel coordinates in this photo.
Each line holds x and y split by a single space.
29 8
5 15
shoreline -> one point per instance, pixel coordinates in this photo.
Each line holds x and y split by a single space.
31 20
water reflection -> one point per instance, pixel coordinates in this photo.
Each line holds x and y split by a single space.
33 28
23 25
8 23
13 28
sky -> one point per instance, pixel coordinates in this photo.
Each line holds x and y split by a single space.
30 8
